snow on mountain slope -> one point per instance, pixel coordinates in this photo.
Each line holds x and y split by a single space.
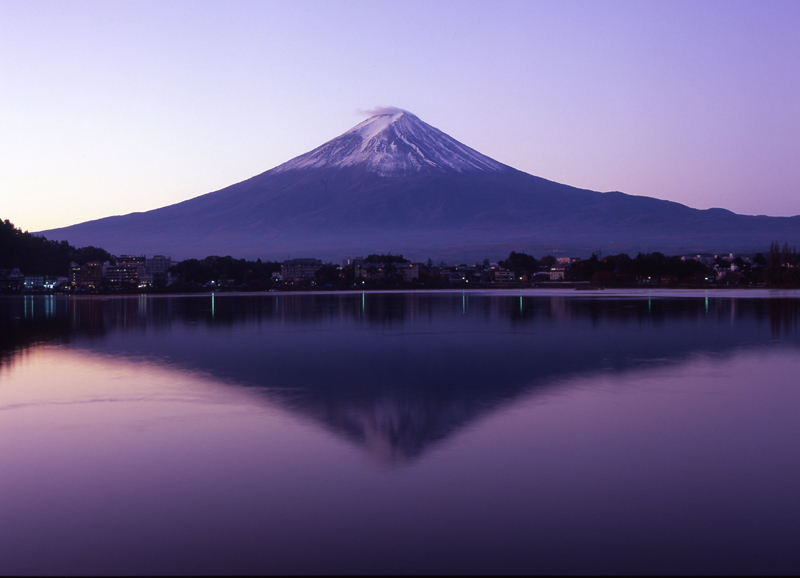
395 144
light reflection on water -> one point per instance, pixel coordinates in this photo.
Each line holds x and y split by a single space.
395 432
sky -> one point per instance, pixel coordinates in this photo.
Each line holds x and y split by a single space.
108 108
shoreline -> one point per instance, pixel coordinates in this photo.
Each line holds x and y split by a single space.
600 293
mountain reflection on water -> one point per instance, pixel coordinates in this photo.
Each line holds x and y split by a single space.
398 372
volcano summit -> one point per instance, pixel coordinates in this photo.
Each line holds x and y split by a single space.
395 144
395 183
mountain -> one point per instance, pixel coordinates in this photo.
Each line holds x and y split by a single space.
395 183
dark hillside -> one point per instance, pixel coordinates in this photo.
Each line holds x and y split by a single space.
35 255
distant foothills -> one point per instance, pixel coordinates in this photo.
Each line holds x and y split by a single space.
33 264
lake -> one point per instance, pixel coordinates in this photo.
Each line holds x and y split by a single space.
422 432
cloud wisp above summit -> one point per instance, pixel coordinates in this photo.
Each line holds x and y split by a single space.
379 110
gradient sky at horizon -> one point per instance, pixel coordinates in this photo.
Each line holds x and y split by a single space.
112 107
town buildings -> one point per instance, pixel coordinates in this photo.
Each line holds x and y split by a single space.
123 272
90 276
407 271
503 276
130 272
294 270
559 271
11 280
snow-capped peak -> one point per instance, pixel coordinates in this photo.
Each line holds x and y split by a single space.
394 143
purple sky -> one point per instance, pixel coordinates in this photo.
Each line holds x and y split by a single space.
112 107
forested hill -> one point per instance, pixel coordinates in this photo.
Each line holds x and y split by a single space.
35 255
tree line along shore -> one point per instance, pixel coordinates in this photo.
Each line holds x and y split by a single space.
30 263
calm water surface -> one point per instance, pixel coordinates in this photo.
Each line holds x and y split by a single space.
400 432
